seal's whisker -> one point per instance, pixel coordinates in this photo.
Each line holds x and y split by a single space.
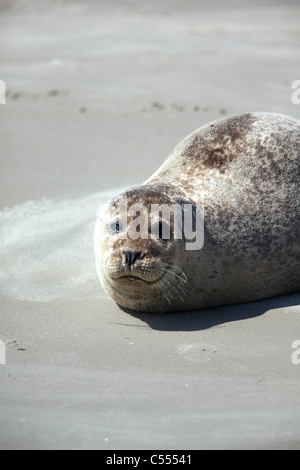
181 276
173 276
164 288
175 280
175 285
165 291
172 266
174 288
171 283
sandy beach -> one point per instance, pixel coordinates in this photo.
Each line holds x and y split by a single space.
98 95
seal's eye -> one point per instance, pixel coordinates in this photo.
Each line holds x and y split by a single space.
115 227
161 230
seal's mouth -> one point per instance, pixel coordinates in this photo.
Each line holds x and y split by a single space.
139 280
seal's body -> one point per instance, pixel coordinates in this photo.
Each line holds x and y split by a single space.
245 172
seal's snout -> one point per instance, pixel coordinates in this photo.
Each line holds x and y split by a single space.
131 257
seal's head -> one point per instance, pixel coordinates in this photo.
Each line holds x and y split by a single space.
138 248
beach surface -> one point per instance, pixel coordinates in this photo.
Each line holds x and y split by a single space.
98 94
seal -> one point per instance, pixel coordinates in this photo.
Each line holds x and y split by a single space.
244 171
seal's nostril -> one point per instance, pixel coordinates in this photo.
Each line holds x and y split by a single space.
131 256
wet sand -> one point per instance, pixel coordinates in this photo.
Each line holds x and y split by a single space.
98 95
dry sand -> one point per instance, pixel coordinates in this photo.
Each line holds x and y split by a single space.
99 93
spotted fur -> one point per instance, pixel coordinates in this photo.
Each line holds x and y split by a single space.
245 171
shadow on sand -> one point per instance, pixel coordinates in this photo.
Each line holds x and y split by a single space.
204 319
